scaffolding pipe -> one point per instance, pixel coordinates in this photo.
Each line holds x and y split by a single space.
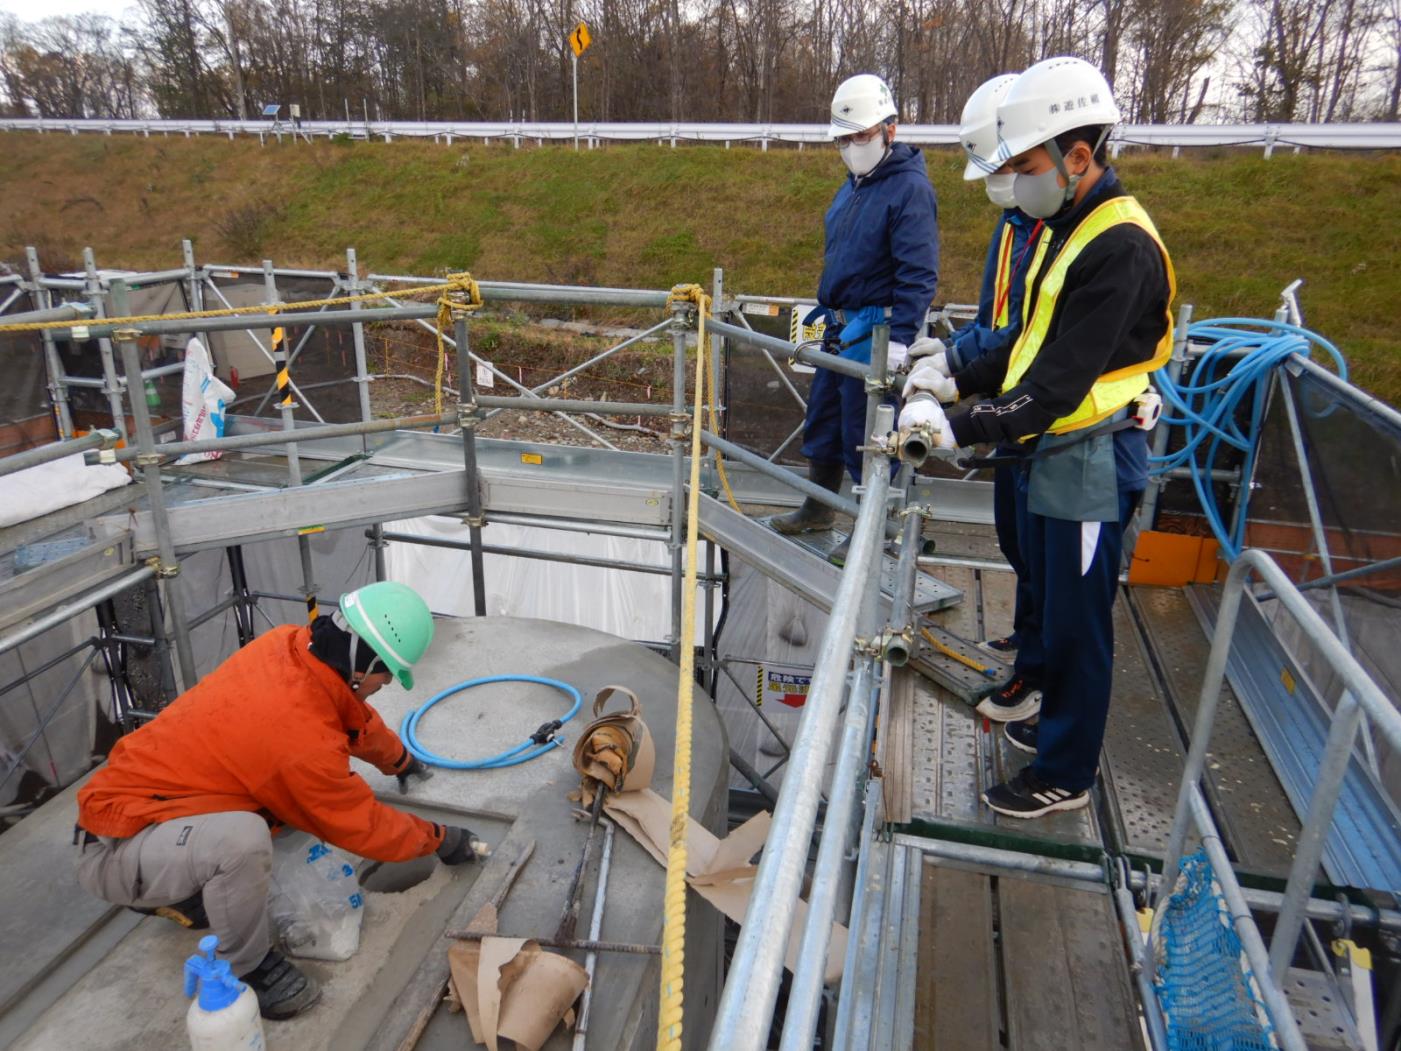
751 988
679 434
58 392
807 355
342 430
563 557
93 289
56 451
467 419
578 525
69 610
357 332
168 565
66 312
805 992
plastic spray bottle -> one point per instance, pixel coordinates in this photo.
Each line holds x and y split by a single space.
224 1017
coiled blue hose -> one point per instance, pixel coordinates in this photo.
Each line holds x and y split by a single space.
536 745
1207 407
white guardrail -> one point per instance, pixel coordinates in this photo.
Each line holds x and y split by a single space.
1266 136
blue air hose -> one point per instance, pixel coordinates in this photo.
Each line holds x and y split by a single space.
1234 371
537 744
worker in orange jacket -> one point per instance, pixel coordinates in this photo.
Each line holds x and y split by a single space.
179 820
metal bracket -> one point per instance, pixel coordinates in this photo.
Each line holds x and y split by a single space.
923 510
163 570
877 385
472 521
468 415
147 459
126 335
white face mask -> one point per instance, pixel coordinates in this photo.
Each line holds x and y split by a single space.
862 158
999 190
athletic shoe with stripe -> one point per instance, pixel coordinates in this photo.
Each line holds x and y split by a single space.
1021 735
1016 701
1026 795
1004 648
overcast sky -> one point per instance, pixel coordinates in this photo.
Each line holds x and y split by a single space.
34 10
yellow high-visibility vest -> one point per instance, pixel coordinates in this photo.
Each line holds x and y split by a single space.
1113 390
1002 280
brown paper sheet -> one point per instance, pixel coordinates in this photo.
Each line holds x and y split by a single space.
510 987
719 870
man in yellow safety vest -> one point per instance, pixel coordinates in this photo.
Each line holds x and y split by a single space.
1072 395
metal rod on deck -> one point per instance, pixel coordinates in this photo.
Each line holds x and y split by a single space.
467 418
168 566
751 988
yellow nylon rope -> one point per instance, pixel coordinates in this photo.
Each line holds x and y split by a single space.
461 283
671 1008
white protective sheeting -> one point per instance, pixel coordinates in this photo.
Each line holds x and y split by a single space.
52 486
632 605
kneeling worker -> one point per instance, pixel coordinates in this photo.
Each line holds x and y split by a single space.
1073 395
179 819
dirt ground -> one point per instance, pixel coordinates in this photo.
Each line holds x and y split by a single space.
531 354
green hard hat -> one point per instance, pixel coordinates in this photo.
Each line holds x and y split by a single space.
394 621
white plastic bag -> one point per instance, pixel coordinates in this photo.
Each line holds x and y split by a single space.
202 400
315 901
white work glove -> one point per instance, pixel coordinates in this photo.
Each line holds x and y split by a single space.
924 412
926 345
896 355
931 374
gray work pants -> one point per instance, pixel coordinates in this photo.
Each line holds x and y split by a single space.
227 856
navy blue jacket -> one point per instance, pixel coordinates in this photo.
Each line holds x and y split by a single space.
882 246
979 337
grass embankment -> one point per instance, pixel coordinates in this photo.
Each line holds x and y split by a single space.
1239 227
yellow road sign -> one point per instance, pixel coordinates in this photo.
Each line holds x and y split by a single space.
580 40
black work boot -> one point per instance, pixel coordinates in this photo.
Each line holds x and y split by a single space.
812 516
282 989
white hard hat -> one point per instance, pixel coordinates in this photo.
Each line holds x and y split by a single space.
1053 96
860 102
977 128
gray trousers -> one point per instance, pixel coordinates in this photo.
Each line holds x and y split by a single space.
228 856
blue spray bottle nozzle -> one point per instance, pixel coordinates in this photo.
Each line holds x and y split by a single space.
217 986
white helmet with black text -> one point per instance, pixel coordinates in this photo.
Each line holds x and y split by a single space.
1052 97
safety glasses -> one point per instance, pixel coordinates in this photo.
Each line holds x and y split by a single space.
860 138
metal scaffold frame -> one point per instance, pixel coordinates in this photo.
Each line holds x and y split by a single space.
864 633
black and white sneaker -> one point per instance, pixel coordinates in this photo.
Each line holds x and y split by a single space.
1021 735
1026 795
1004 648
1016 701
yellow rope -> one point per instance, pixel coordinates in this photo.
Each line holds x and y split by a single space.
462 284
465 295
671 1009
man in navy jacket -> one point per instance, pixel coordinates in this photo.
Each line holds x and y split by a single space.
880 265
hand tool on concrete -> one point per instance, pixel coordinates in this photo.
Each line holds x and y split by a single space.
569 919
482 924
958 665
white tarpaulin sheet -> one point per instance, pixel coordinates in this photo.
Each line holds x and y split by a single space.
632 605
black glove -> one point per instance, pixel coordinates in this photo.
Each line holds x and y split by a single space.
416 768
459 846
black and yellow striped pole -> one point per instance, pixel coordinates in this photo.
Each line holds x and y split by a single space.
283 367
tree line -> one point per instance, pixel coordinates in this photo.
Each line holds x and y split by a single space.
707 60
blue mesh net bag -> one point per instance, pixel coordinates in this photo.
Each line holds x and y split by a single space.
1206 988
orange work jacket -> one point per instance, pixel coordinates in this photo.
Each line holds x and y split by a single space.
271 730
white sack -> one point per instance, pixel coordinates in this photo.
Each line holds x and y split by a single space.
52 486
202 400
